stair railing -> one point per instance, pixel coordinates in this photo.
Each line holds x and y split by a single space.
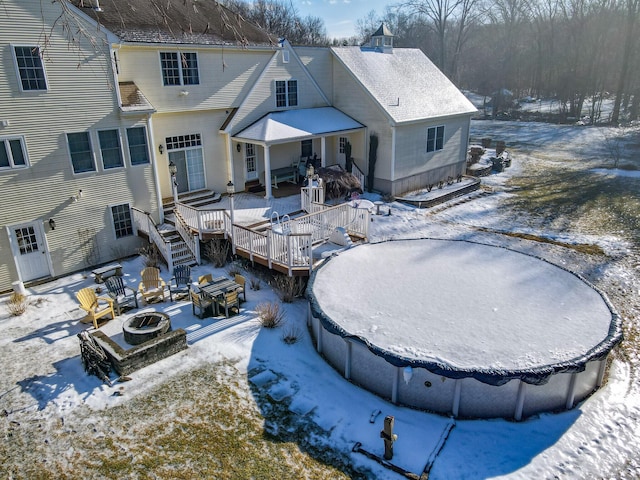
144 223
191 240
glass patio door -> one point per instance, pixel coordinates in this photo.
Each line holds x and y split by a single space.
190 163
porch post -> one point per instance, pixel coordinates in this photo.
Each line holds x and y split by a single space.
323 151
267 172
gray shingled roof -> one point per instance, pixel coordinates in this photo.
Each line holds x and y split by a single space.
406 84
199 22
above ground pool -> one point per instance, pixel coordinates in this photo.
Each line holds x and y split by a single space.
461 328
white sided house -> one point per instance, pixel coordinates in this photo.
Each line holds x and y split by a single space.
420 118
110 109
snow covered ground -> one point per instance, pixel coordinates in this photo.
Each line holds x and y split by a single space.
43 381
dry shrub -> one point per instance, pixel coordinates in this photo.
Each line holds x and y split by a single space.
17 304
289 288
235 269
270 314
217 251
255 283
291 334
151 255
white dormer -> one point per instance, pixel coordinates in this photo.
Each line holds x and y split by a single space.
382 39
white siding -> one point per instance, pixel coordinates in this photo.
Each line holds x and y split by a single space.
226 76
80 98
262 98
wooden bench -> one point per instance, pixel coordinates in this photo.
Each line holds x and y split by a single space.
107 271
285 174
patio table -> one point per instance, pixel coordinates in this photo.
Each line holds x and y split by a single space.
217 288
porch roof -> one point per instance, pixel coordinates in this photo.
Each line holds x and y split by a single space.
291 125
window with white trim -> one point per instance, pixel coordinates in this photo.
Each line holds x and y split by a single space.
81 152
306 148
179 68
30 68
110 149
343 144
122 223
285 56
137 141
435 138
286 93
13 153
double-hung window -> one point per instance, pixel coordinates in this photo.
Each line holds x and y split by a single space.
13 153
179 68
137 141
81 152
286 93
110 149
435 138
122 223
30 68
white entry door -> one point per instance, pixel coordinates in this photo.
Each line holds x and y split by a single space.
29 249
342 142
250 162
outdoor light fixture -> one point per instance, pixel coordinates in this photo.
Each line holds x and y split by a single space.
52 224
231 188
238 147
77 196
173 169
310 171
161 149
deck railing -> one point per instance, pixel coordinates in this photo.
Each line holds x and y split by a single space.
203 220
324 220
292 251
358 174
191 240
309 196
144 223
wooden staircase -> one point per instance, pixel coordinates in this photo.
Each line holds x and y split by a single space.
179 250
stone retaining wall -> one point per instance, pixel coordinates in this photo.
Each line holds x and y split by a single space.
126 361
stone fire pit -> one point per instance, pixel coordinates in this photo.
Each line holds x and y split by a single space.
145 326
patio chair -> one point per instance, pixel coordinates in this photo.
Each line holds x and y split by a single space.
151 285
229 301
204 279
200 302
96 307
121 294
242 282
180 282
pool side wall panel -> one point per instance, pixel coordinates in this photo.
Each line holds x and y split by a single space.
428 391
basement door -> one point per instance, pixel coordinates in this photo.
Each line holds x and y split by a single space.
29 251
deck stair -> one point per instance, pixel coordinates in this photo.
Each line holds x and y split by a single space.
196 199
179 250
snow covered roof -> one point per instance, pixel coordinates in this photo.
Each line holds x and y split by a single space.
405 83
290 125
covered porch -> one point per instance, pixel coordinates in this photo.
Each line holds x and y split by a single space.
290 141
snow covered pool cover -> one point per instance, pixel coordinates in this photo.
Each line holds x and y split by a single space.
463 309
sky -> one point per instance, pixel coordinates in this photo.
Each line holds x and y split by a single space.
340 16
52 401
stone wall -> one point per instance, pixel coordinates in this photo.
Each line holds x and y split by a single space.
126 361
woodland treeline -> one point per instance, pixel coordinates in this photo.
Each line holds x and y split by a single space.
576 51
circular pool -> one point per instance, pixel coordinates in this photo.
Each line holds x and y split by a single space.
462 328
